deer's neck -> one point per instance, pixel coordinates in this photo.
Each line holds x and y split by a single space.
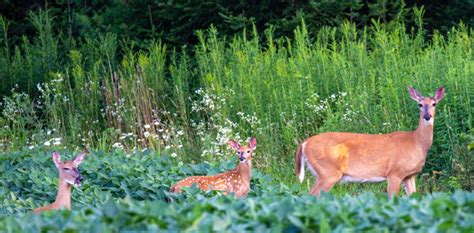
245 170
424 134
63 199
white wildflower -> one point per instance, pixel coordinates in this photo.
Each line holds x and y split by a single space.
117 145
57 141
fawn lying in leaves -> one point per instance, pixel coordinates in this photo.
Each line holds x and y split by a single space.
235 181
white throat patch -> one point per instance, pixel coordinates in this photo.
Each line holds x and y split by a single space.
430 122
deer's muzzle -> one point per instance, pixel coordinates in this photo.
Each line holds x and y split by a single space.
78 181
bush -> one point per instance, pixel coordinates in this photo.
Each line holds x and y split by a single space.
130 193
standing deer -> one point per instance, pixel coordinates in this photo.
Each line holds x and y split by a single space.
68 176
234 181
354 157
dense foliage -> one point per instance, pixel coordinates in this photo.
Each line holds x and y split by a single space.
175 21
122 192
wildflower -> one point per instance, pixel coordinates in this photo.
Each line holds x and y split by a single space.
146 134
174 155
47 143
57 141
147 126
117 145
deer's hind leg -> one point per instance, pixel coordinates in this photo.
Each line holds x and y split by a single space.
325 182
331 172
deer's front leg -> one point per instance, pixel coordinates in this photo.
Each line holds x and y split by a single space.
410 186
243 190
393 185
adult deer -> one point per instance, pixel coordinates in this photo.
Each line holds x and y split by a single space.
68 176
396 157
235 181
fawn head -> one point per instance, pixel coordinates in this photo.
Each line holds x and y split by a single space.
244 152
68 171
427 104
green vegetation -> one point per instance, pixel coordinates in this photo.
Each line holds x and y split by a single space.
175 21
130 193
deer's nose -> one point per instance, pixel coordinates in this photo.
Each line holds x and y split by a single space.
427 117
80 178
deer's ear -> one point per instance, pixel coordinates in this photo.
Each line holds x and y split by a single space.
57 159
439 94
415 95
233 144
253 143
78 159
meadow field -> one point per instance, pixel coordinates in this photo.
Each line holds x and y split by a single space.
152 115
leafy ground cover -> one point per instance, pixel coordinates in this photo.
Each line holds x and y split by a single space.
130 193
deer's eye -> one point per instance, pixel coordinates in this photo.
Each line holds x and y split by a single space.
434 104
66 169
248 152
420 105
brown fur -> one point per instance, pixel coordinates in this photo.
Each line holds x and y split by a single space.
235 181
66 177
396 156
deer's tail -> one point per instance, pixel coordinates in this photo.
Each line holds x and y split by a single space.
300 160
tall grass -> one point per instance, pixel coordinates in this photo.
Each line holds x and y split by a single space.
105 94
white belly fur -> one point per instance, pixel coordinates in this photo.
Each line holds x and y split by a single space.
347 178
